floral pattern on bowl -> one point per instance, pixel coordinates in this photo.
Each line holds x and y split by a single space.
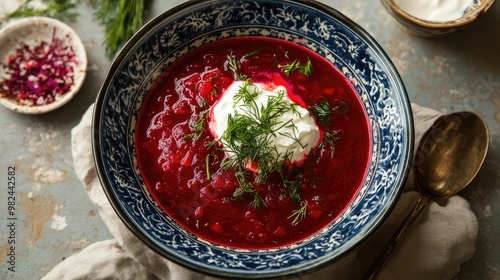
313 25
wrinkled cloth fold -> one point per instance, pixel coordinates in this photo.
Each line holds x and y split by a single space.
441 239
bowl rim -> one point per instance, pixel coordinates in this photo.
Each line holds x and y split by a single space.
80 52
154 23
464 20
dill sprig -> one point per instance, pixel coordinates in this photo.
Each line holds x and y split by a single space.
60 9
299 214
292 185
245 94
323 111
198 126
246 187
121 19
305 69
329 140
233 63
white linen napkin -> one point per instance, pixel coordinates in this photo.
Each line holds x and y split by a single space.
441 239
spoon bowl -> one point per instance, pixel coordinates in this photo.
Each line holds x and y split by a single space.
448 158
450 154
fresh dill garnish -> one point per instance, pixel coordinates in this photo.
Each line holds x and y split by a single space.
207 166
286 53
248 136
293 185
246 187
211 144
202 103
120 18
305 69
245 94
323 111
216 76
60 9
329 139
214 92
197 127
299 214
252 53
293 135
233 64
317 198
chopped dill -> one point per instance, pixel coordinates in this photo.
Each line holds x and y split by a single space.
329 139
248 137
323 110
233 64
305 69
197 127
246 93
252 53
246 187
250 131
299 214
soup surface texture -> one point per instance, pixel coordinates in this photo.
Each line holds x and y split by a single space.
218 171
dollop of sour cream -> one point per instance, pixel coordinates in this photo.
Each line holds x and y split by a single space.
435 10
304 128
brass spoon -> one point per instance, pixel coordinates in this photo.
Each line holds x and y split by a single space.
448 157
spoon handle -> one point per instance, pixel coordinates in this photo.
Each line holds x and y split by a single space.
396 238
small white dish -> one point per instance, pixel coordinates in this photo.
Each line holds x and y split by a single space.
32 31
410 21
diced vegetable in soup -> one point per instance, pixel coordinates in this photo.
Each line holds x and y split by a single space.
253 142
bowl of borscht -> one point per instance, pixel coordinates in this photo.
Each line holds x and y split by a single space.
252 139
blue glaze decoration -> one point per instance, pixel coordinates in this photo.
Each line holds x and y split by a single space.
308 23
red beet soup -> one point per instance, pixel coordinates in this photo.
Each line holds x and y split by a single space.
236 188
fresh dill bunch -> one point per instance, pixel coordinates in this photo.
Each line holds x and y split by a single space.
121 19
60 9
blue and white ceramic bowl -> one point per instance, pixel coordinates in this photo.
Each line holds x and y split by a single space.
309 23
